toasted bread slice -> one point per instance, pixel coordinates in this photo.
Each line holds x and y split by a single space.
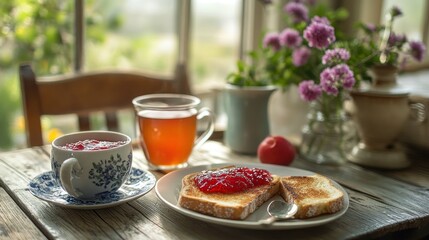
236 205
315 195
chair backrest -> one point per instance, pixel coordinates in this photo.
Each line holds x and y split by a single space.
84 93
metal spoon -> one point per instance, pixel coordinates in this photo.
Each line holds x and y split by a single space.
279 210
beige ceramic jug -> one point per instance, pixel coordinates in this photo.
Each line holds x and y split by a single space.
379 112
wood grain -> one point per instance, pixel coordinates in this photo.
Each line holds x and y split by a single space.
381 203
14 224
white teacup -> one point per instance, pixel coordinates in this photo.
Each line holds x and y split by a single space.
91 173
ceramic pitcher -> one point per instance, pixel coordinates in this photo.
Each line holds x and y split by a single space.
380 111
247 112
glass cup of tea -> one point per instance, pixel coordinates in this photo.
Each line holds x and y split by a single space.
168 128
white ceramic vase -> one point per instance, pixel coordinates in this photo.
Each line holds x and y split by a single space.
247 117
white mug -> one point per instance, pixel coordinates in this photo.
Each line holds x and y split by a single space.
89 174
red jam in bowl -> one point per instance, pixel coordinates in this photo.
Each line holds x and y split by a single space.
92 145
231 180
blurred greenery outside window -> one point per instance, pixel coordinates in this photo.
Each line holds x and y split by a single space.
133 34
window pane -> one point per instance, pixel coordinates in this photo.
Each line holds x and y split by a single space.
411 23
215 40
39 32
131 34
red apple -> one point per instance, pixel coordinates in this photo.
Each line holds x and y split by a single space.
276 150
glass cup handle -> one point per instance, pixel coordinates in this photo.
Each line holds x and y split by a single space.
202 113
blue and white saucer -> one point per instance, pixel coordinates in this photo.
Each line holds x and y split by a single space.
45 187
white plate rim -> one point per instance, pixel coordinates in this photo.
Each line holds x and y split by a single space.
164 191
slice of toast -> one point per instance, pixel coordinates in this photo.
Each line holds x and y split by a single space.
315 195
236 205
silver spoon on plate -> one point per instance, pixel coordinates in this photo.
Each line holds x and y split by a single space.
279 210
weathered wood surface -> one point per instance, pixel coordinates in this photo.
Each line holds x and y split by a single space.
14 224
382 203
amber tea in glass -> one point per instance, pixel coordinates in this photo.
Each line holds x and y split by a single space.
168 128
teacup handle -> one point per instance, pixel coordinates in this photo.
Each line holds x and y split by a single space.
66 175
202 113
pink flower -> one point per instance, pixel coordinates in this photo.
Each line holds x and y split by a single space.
323 20
328 82
300 56
319 35
344 75
340 76
417 50
396 39
309 91
290 38
335 55
297 10
272 40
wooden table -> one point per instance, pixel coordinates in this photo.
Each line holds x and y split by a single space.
382 204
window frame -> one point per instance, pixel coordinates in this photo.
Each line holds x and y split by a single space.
253 23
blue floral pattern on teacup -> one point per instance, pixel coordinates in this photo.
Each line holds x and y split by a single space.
105 172
110 172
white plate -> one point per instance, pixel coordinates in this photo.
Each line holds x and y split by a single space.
168 188
138 183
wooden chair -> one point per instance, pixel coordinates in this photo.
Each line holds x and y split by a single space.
85 93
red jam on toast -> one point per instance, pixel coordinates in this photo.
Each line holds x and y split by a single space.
231 180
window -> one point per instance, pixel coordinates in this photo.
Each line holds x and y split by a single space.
143 35
140 34
148 35
214 42
77 35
